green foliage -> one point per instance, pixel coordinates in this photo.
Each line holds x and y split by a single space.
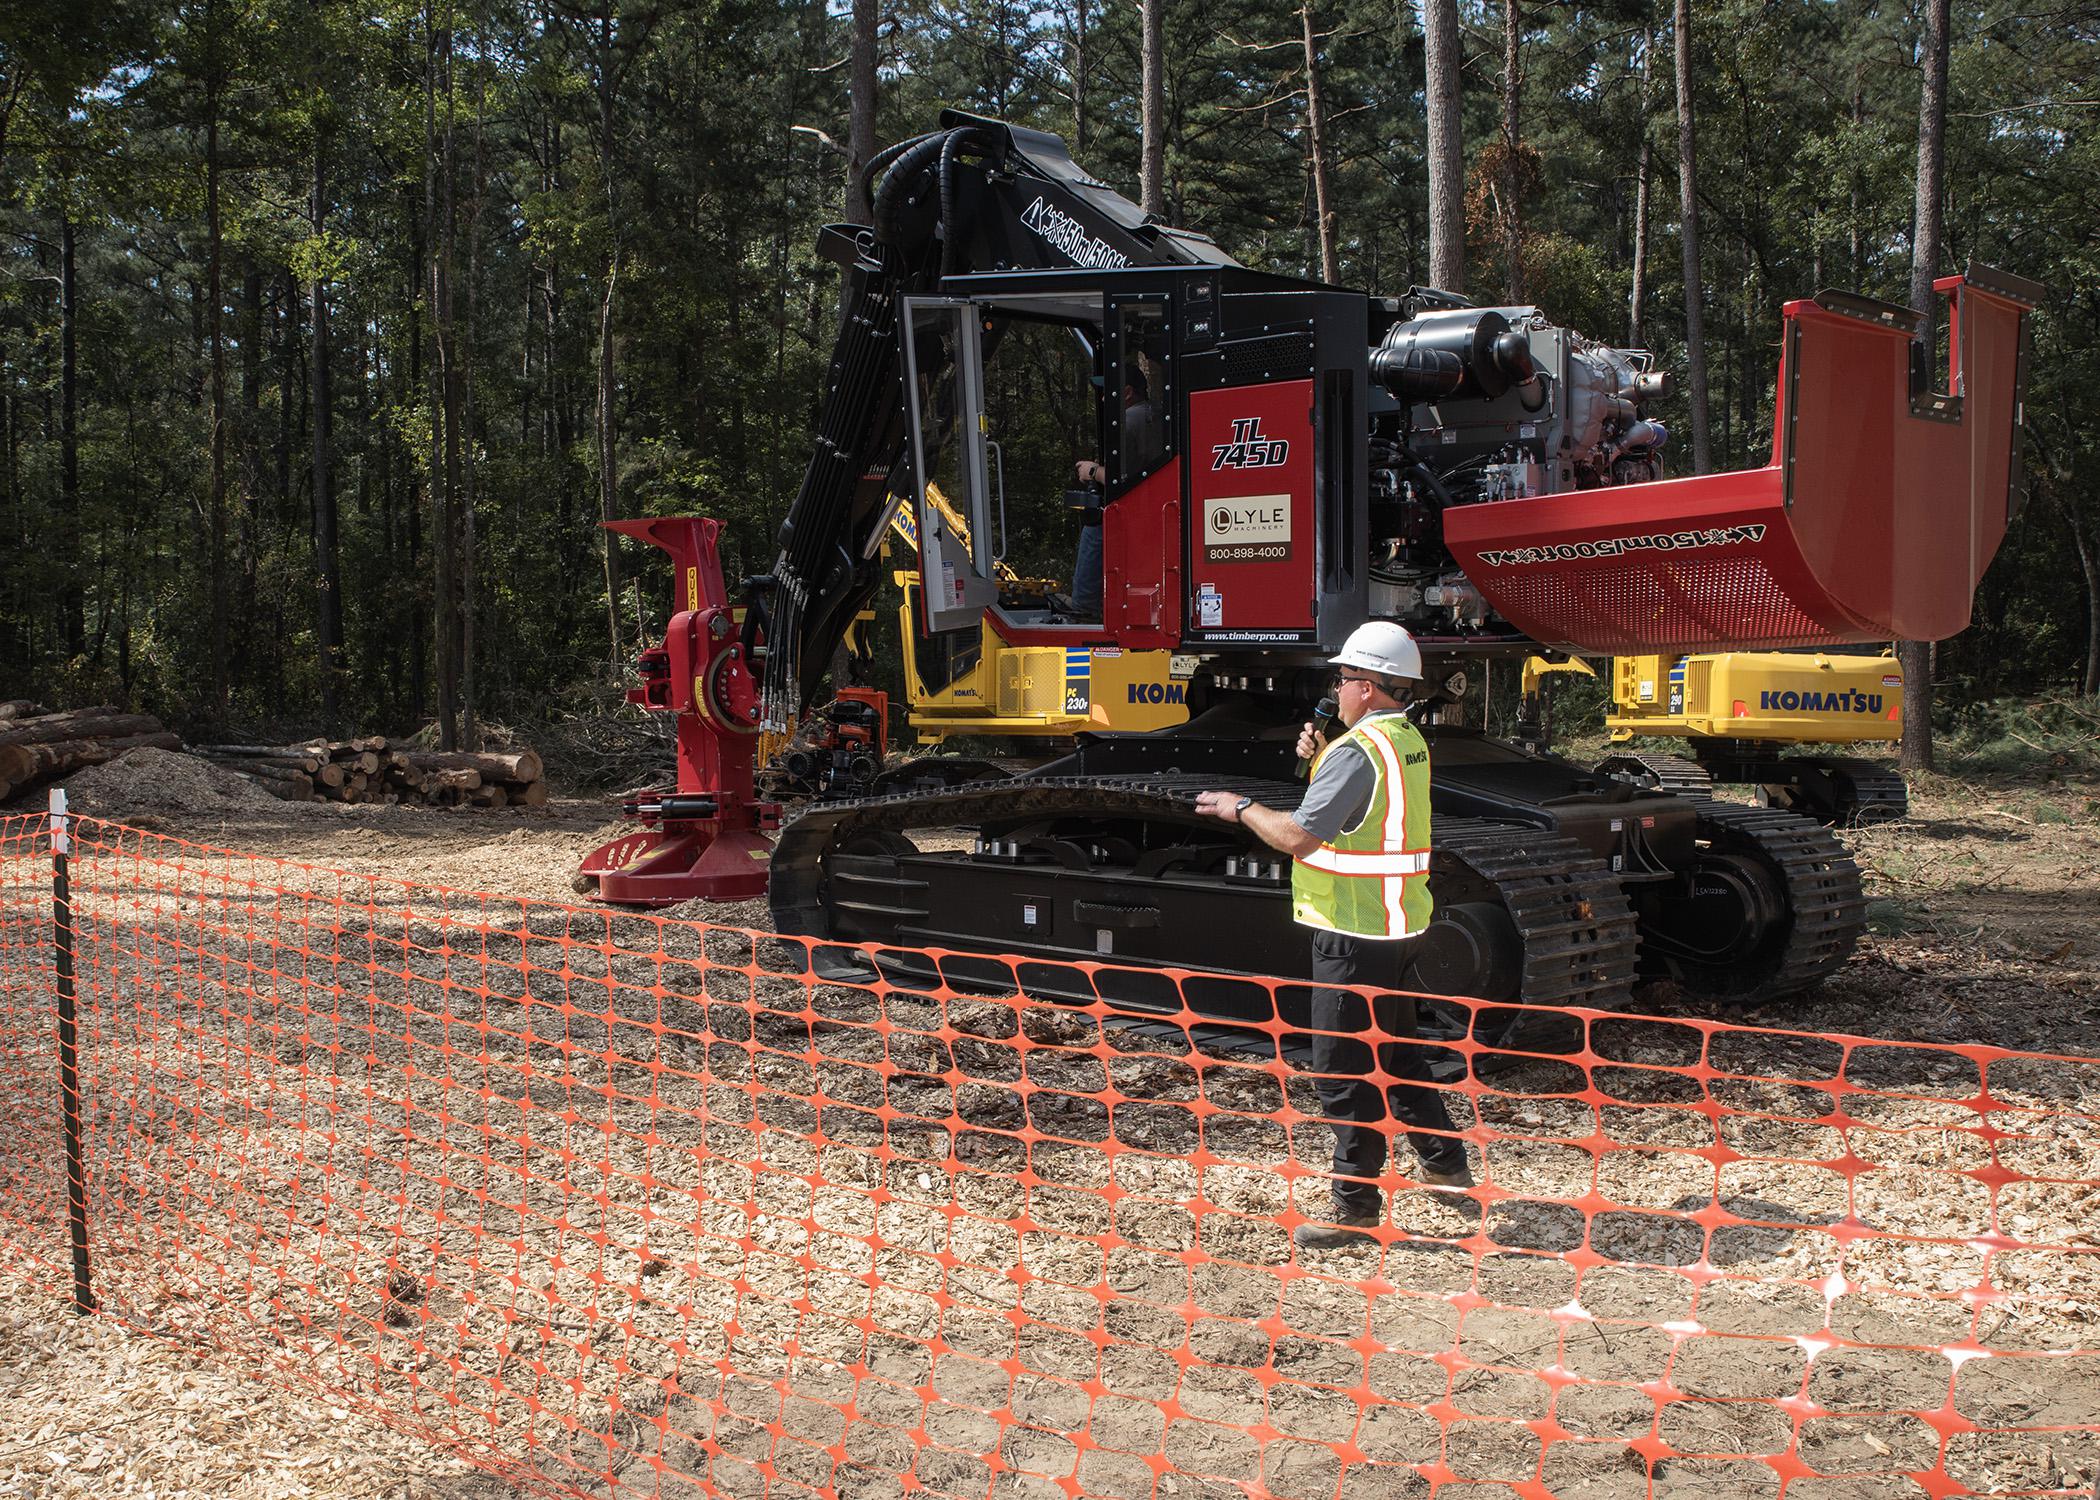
1892 918
2008 737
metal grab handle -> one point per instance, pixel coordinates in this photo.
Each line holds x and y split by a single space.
999 479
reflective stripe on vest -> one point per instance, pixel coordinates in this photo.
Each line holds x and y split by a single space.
1372 880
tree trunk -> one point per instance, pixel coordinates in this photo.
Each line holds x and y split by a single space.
1932 156
1441 48
249 434
608 461
24 764
444 412
288 366
1079 80
1316 148
414 487
518 765
1916 656
860 135
327 569
216 353
1688 210
2089 566
1152 171
608 436
1856 248
14 642
104 721
449 347
1644 171
1509 197
470 494
71 594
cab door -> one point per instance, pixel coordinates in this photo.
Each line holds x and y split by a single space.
944 377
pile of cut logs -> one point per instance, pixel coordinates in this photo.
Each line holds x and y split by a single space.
367 770
36 746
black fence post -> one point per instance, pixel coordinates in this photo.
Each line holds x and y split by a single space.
69 1053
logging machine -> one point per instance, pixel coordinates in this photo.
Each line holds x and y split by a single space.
1281 460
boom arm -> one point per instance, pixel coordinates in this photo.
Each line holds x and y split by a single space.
974 195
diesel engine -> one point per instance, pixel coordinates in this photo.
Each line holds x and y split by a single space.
1481 404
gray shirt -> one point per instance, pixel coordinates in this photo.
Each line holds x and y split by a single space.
1340 791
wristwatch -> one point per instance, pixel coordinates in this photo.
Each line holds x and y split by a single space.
1239 809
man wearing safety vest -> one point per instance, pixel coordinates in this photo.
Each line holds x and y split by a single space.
1359 846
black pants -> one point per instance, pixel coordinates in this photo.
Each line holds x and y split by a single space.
1343 1062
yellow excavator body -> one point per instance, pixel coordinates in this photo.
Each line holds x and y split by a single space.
1772 697
963 684
985 685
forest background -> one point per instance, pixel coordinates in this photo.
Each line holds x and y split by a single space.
329 332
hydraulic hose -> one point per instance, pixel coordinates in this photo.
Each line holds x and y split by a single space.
871 174
894 191
951 148
1438 491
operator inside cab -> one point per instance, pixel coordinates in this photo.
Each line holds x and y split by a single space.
1144 442
1359 846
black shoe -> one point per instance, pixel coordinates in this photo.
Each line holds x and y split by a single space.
1348 1229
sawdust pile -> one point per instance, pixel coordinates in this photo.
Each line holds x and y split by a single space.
90 1410
164 780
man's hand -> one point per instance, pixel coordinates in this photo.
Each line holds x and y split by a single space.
1309 741
1273 828
1090 472
1223 805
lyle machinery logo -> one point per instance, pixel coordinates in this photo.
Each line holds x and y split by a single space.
1249 448
1247 528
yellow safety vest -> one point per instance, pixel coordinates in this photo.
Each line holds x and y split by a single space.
1373 880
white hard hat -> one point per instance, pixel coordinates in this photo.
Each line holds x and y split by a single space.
1382 646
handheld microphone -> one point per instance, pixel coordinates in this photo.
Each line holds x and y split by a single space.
1323 715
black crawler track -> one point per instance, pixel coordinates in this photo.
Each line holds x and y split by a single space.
1570 915
1825 904
1578 928
1663 773
1863 792
923 773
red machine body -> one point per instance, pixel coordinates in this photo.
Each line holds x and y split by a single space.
1880 509
709 836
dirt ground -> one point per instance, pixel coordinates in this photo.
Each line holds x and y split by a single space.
759 1274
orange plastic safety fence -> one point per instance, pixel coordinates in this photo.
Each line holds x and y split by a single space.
624 1205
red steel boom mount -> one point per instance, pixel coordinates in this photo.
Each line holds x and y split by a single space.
709 836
